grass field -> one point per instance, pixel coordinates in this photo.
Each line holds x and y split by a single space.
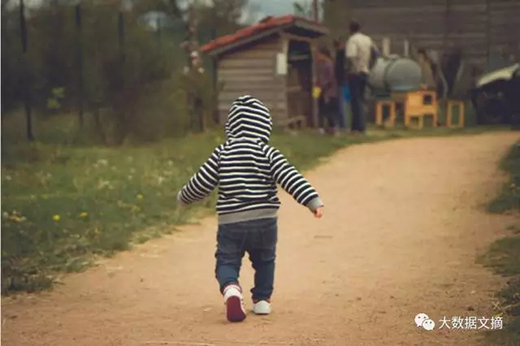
509 199
63 205
503 256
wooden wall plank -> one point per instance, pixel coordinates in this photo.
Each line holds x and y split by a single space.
252 70
234 73
247 63
470 24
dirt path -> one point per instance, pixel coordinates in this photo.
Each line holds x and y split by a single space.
403 225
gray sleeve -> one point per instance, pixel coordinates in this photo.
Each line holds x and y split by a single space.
314 204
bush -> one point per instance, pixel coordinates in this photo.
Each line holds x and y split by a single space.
509 199
503 255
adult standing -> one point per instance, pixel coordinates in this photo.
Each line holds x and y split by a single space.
428 77
360 53
341 78
328 99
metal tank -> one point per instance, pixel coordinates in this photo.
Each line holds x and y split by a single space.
395 74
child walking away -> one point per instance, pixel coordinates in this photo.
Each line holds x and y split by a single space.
246 170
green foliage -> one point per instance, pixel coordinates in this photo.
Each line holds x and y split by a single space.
509 198
220 19
63 205
125 74
68 197
336 17
53 102
303 9
503 256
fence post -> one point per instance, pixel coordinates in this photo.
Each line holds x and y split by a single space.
159 33
488 35
214 80
121 32
27 79
79 57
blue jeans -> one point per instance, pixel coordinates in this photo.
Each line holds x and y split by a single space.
343 108
256 237
357 84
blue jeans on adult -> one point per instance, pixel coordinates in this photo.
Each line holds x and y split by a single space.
357 84
256 237
343 107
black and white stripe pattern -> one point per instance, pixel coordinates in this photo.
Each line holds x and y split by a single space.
246 169
249 118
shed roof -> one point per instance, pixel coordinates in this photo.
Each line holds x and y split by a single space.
265 27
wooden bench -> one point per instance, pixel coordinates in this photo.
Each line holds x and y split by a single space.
420 121
380 104
420 104
449 114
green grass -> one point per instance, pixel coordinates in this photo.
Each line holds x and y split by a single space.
64 205
503 256
509 198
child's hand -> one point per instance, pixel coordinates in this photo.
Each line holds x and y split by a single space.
318 213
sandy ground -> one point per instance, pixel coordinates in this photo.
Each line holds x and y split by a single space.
404 222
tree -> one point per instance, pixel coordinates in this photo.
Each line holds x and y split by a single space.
11 59
206 22
303 9
227 14
336 17
127 75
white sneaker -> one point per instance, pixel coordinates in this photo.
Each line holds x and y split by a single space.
235 311
262 307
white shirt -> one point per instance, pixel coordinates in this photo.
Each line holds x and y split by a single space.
358 51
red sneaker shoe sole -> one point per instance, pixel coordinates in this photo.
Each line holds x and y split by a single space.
234 309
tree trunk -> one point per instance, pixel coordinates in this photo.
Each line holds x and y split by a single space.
28 117
99 126
79 47
27 79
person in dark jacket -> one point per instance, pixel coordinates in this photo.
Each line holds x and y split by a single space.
341 78
328 100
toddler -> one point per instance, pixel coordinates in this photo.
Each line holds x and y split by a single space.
246 170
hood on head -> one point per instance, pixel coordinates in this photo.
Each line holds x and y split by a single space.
249 118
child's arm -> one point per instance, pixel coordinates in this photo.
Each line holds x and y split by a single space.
201 183
293 182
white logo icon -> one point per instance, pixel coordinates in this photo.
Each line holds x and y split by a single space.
422 320
428 324
419 319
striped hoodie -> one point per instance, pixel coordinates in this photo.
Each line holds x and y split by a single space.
246 169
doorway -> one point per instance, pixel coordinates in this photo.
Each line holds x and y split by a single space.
299 82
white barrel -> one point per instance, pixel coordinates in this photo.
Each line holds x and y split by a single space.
395 75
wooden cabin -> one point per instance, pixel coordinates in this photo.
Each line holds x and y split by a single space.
273 61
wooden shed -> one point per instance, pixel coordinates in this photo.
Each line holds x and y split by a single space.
273 61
